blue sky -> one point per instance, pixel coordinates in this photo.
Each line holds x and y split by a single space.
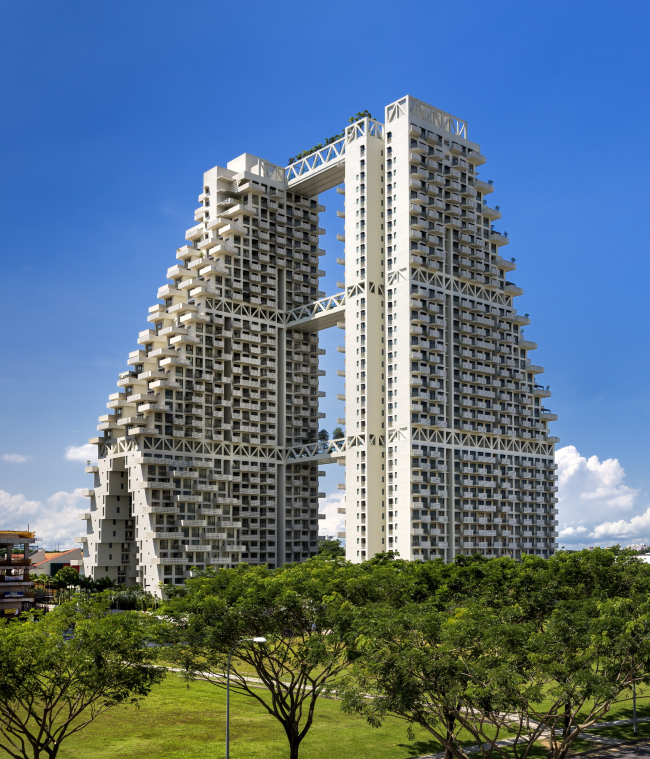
111 112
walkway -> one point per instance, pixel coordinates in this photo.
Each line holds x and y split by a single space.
628 753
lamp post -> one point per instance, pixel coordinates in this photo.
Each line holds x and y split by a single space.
232 650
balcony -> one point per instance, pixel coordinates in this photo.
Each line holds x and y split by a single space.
491 213
136 421
194 233
501 263
481 186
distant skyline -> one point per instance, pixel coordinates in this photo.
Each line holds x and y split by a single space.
112 114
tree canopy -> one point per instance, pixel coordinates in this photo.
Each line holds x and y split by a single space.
505 650
330 548
495 648
60 672
307 625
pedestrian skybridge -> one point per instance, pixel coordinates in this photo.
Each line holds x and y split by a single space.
325 168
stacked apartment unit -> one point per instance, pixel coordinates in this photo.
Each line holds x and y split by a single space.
188 472
209 455
470 459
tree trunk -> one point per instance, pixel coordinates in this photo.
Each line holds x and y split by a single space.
566 731
294 745
567 720
450 734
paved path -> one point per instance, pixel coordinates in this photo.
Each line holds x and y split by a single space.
635 750
601 739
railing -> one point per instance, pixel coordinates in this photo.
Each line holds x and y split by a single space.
330 153
426 113
333 152
310 310
317 449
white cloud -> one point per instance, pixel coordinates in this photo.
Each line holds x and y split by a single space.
333 522
81 453
584 479
15 458
638 526
591 496
54 521
570 531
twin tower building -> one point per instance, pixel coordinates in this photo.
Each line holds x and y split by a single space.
209 455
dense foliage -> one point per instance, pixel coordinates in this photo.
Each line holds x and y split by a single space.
60 672
503 654
505 650
330 548
495 648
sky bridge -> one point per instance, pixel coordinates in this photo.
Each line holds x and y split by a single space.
325 168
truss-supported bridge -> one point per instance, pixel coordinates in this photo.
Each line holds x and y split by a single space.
325 168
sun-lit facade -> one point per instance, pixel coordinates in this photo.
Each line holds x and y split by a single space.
209 454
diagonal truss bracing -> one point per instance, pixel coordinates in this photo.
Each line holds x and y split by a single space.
320 314
325 168
318 160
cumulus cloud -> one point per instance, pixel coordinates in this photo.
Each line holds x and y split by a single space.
54 521
591 480
333 522
596 506
568 532
81 453
637 527
15 458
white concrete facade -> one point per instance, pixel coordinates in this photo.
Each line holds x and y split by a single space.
470 460
208 455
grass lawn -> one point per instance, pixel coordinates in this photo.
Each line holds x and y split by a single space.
621 710
178 723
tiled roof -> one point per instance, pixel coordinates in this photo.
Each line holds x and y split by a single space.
55 555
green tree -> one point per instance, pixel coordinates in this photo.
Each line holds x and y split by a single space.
492 652
61 672
298 611
63 580
86 583
330 548
323 436
67 577
104 583
358 116
310 437
338 433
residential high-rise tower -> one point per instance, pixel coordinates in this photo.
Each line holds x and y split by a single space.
210 453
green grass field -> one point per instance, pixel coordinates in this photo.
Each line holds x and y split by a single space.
177 722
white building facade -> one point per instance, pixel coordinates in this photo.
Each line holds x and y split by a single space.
209 454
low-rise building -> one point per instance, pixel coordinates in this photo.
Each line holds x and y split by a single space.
49 562
16 589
